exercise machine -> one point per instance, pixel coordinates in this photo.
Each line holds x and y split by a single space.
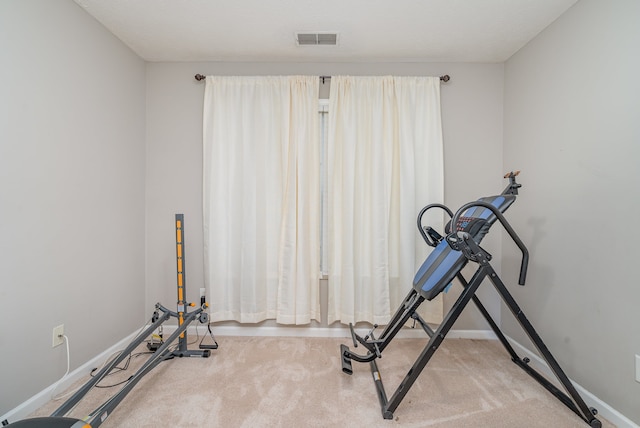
452 252
164 349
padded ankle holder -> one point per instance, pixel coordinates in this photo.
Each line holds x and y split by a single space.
473 225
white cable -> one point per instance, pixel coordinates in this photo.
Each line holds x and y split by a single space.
55 386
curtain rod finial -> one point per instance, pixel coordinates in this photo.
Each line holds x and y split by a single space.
200 77
445 78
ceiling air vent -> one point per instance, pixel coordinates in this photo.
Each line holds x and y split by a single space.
317 39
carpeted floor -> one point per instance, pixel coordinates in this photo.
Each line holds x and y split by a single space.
297 382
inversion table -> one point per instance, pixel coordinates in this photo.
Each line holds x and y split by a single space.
445 263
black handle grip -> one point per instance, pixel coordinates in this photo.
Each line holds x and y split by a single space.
514 236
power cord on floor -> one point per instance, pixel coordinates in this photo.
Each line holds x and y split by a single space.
117 369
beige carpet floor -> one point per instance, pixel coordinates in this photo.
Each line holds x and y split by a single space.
297 382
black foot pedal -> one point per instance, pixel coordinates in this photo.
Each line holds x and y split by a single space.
346 360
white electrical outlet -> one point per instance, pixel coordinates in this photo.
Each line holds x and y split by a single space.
637 368
58 336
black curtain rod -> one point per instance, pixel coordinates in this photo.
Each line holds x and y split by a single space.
444 78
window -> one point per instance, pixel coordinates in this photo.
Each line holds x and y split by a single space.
323 111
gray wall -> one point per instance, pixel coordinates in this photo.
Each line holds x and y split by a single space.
72 132
472 128
572 124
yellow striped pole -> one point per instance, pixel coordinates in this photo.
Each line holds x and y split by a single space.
180 268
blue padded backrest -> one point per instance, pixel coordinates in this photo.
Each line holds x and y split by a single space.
444 263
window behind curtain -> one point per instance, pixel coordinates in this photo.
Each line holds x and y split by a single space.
323 111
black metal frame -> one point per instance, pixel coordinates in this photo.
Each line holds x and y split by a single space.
98 416
462 241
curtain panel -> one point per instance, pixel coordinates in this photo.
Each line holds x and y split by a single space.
385 163
261 201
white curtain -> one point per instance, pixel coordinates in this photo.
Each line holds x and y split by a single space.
261 198
385 163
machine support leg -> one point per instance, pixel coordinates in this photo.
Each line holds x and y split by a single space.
490 321
382 395
434 343
573 401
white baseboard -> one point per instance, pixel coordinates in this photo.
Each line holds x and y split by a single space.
341 331
43 397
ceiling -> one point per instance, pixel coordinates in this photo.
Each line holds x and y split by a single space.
368 30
